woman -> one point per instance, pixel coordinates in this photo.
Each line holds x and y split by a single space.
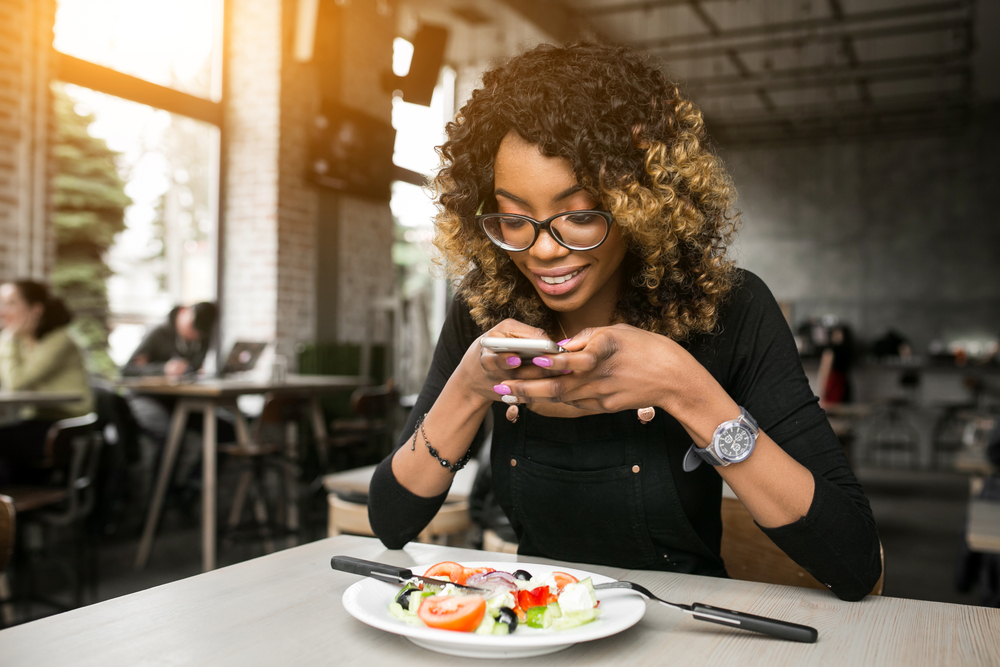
665 339
834 380
36 354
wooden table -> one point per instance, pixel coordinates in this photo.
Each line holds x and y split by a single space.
205 396
983 531
18 399
285 609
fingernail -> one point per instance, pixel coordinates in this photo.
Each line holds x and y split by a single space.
544 362
513 361
564 341
501 389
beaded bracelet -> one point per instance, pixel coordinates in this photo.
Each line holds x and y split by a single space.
452 467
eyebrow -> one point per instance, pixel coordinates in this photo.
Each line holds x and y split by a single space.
500 192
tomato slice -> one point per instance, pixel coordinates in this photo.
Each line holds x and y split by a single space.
536 597
562 579
460 613
451 570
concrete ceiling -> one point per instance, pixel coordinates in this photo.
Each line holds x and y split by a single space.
771 70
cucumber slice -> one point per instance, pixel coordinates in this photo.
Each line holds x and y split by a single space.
574 619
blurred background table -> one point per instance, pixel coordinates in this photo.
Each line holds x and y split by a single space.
206 396
19 399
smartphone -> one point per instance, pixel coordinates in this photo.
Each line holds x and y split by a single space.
524 347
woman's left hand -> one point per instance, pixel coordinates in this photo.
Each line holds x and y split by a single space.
620 367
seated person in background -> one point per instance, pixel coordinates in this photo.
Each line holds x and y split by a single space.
36 354
176 347
173 349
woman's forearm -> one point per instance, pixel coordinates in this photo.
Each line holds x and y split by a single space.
450 427
775 488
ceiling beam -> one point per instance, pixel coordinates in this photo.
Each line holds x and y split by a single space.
838 77
807 25
705 18
771 44
557 20
737 61
868 68
646 5
895 105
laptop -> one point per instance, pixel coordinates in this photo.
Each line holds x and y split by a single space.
242 358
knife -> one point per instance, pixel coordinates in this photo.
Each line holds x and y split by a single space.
392 574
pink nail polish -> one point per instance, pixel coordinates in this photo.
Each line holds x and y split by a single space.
501 389
564 341
544 362
513 361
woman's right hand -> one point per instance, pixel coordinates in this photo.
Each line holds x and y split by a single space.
483 370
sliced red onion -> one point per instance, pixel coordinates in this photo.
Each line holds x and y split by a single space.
497 582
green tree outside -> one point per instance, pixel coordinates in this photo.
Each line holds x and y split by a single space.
89 205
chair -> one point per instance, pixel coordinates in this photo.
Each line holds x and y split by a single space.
893 435
750 555
8 531
270 442
120 431
351 516
374 410
73 450
495 543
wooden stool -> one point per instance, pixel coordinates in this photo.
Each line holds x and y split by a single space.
495 543
350 517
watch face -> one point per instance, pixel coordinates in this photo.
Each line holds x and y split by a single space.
735 443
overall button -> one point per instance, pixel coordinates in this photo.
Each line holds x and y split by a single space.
635 468
513 462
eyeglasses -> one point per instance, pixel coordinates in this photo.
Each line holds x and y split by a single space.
575 230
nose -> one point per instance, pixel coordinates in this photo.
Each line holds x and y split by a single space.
546 248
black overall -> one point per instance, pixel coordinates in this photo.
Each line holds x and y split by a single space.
603 489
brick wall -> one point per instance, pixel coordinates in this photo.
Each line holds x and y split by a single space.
272 212
297 199
26 243
251 149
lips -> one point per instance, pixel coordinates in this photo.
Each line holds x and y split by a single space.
555 283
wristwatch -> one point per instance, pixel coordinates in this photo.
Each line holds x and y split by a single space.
732 442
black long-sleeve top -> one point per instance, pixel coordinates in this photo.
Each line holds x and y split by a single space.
753 356
160 345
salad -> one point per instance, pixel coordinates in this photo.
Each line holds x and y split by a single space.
553 601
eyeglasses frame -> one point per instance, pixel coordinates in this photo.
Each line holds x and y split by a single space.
546 225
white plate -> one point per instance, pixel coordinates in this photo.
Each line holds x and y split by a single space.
368 601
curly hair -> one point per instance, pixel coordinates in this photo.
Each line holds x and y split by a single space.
635 143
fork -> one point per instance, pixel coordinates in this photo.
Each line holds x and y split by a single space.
734 619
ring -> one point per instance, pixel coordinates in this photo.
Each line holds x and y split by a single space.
510 400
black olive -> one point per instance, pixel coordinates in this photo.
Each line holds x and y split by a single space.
508 617
522 575
404 597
